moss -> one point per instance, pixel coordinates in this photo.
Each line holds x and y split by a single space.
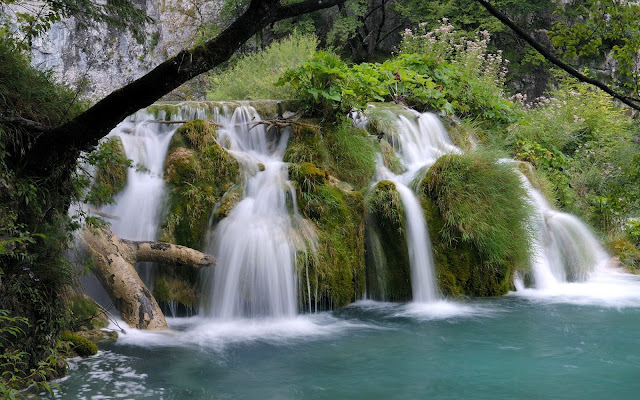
390 158
80 345
336 272
388 265
352 153
478 218
85 313
625 250
306 144
196 134
199 172
111 172
176 289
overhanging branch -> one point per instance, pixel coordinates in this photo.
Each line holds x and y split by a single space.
84 131
546 53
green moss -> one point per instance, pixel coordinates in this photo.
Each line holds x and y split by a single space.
199 172
388 265
111 172
81 346
352 153
390 158
176 289
478 220
196 134
627 252
85 313
306 144
336 271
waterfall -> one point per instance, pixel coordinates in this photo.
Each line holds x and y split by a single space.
419 142
254 245
564 249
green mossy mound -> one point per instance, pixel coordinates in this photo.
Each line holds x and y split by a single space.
348 153
388 265
85 314
199 172
111 175
79 345
177 283
336 271
478 218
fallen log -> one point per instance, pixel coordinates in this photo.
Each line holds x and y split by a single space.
114 266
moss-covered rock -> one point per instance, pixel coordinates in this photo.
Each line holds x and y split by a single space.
336 270
388 265
85 314
199 172
478 218
111 173
79 345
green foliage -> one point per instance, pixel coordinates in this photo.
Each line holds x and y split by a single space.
85 314
591 29
16 370
254 76
626 248
199 172
80 345
466 80
585 145
482 203
111 171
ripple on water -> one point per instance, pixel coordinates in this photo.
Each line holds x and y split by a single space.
101 380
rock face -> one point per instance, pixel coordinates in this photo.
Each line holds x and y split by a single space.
100 59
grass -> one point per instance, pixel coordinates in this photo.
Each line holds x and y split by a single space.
254 76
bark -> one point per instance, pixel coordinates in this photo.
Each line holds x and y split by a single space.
84 131
115 260
546 53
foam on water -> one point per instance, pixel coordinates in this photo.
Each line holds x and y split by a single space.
606 287
217 335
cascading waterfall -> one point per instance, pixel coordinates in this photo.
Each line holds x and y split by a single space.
419 143
564 249
254 245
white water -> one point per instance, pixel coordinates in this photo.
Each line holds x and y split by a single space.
564 249
256 271
418 143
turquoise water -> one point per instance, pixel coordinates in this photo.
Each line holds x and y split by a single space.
522 347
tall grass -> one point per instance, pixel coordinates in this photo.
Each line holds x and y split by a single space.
482 202
254 76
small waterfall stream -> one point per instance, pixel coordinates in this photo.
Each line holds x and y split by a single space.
419 143
256 271
564 249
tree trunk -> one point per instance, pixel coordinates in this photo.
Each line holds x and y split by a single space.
114 267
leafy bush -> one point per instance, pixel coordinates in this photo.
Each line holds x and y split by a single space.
586 147
467 81
254 76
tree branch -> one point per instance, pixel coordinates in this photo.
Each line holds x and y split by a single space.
84 131
553 59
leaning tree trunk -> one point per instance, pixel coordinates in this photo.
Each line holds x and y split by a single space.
115 260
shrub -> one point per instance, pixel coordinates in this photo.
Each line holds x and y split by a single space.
585 145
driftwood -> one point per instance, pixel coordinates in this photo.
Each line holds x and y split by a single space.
115 260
